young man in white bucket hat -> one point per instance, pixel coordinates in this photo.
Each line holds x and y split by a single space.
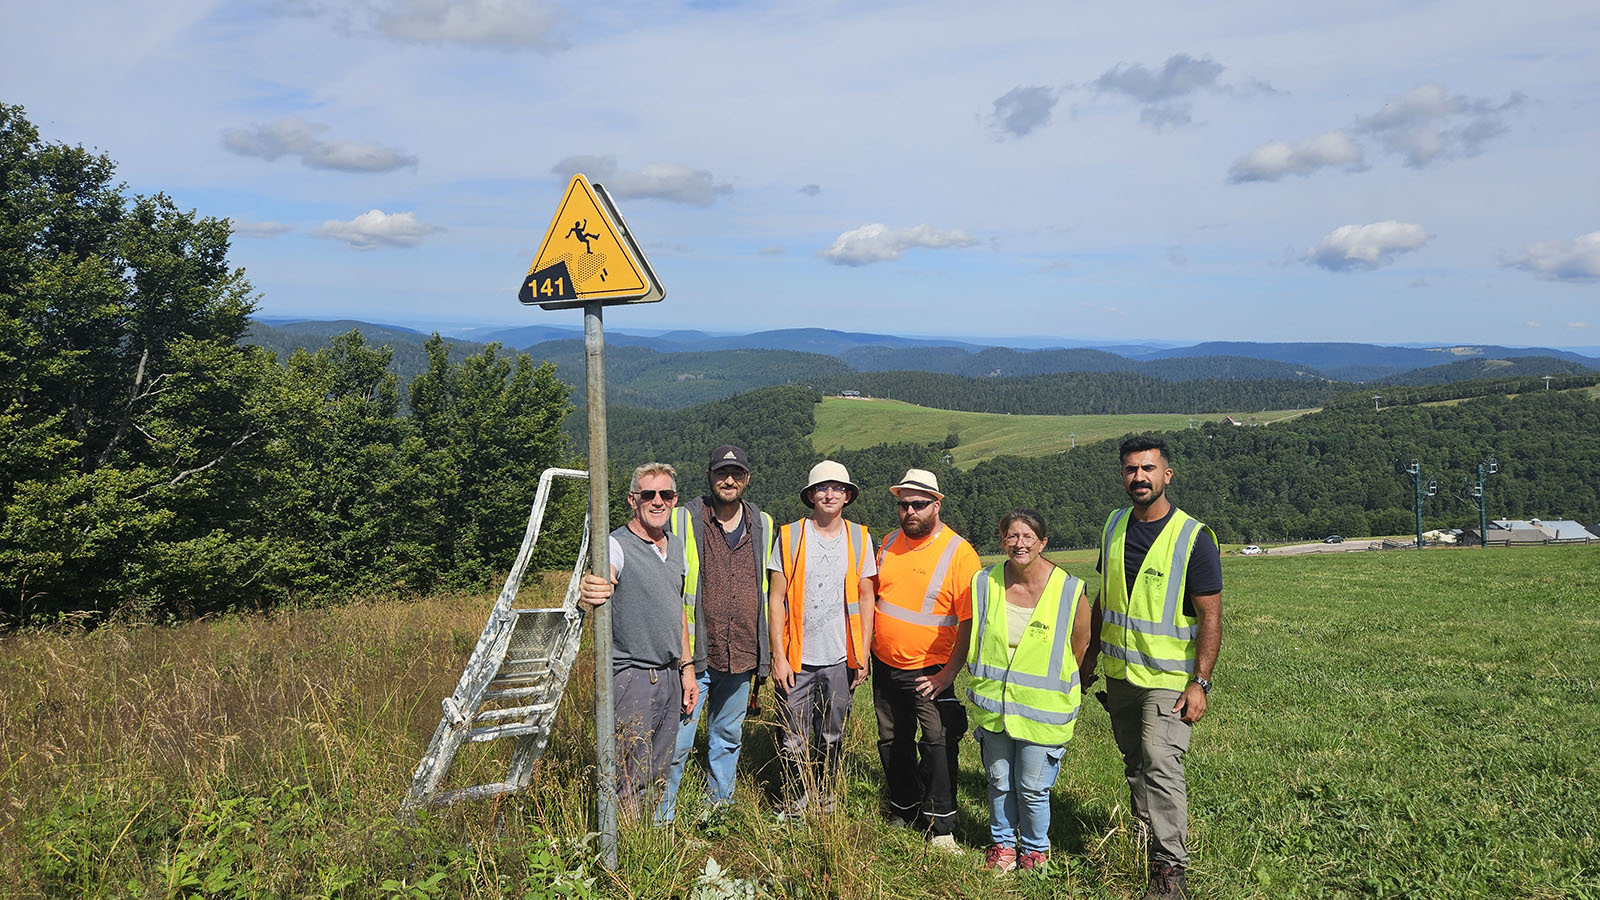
821 628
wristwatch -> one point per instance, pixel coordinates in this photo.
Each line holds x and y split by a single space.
1205 684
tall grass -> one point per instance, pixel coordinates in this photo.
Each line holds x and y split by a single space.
1398 724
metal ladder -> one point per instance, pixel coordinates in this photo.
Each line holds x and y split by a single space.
512 685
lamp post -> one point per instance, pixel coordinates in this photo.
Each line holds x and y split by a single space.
1485 469
1432 487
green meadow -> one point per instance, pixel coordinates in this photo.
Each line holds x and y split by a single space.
1396 724
855 424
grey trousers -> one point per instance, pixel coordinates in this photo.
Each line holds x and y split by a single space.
813 714
649 705
1153 739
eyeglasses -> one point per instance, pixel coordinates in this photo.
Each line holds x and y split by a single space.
831 489
668 495
1021 540
729 472
918 505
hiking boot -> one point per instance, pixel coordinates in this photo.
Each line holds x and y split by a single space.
1167 882
1000 859
945 843
1032 859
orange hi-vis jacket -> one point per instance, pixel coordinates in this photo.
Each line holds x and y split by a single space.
792 544
924 594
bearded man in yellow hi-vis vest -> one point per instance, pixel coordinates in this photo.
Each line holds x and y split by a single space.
820 618
1157 629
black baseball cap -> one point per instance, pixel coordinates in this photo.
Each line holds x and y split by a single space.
728 456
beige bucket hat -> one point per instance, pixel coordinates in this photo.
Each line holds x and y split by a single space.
828 470
918 480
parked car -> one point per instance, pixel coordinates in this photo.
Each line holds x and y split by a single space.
1333 539
1250 550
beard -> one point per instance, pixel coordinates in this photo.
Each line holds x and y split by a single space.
916 528
1154 495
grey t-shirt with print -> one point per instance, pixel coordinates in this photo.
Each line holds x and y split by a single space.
827 565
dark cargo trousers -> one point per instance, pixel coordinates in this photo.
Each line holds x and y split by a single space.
649 706
813 714
921 774
1153 739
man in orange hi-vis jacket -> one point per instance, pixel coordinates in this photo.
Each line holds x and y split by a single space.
921 628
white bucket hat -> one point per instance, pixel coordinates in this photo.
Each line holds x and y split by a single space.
918 480
828 470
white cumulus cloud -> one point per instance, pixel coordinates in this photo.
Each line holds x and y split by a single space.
671 182
880 243
1162 91
1426 124
257 229
1181 74
493 24
1022 109
1366 246
1275 159
289 136
497 24
376 227
1577 261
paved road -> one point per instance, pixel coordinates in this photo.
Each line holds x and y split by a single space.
1349 545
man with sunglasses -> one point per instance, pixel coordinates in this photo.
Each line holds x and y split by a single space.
728 543
651 663
921 629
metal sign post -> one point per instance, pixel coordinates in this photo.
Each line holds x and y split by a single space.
589 258
605 725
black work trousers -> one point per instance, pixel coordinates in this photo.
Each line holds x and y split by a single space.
921 774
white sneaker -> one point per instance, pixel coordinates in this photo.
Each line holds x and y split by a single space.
945 843
897 822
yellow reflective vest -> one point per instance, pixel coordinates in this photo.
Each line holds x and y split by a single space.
1031 694
1145 638
682 524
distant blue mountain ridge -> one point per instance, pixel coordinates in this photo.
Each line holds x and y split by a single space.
866 351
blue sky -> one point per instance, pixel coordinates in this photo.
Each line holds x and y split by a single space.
1384 172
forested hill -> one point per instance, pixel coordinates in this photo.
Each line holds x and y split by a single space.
1079 393
1333 471
639 376
995 362
1473 369
658 373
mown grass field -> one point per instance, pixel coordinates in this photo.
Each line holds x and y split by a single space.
854 424
1396 724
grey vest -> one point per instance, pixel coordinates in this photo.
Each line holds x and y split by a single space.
647 606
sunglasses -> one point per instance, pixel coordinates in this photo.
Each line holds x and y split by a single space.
918 505
668 495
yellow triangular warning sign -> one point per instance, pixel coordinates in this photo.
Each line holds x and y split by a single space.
587 255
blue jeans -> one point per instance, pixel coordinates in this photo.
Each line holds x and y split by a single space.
1020 776
727 696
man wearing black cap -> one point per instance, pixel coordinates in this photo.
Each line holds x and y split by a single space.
728 542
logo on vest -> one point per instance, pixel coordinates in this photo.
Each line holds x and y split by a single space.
1156 572
1039 625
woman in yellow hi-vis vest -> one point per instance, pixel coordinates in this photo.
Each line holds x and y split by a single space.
1027 614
